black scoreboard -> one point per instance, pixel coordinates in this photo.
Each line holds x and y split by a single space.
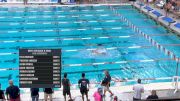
40 68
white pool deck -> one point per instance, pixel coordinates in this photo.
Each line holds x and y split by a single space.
124 93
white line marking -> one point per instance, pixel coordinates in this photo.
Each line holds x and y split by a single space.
12 31
135 47
100 63
5 53
81 29
116 28
62 22
49 39
68 39
47 23
92 21
124 36
146 60
14 24
74 16
87 38
48 30
88 15
30 23
65 29
100 10
29 40
110 21
111 48
8 41
32 17
121 62
46 16
103 37
31 31
73 50
17 17
97 28
104 15
61 16
75 65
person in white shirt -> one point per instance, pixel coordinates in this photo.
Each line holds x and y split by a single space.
138 90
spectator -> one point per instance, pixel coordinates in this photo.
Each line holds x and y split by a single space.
115 98
153 95
48 93
138 90
168 6
25 2
84 86
2 98
3 0
106 83
66 86
12 92
35 94
98 95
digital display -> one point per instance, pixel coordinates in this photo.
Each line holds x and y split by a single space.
40 68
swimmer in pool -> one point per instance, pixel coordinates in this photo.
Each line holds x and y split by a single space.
100 50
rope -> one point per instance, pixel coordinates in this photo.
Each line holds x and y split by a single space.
146 36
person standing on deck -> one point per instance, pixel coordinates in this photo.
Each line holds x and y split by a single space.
12 92
138 90
83 84
106 83
66 87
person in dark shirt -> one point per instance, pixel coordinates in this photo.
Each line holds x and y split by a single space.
106 83
66 86
152 96
35 94
12 92
84 86
2 94
48 93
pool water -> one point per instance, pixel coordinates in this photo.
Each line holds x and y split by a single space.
78 31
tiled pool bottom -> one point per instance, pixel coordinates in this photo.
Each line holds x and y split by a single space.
78 30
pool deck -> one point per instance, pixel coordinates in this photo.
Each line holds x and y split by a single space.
124 93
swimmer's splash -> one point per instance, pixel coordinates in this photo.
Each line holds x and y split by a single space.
98 53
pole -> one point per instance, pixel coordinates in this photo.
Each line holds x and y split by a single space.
177 77
177 67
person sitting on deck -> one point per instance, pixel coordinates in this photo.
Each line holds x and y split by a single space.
152 96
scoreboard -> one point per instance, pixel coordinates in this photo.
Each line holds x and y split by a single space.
40 68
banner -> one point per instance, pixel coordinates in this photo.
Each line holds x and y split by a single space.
11 1
30 1
42 1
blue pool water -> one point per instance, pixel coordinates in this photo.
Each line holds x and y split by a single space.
78 30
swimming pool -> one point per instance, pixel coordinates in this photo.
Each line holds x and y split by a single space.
78 30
